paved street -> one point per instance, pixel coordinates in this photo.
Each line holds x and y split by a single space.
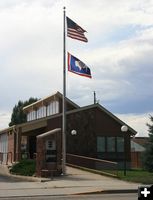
75 182
81 197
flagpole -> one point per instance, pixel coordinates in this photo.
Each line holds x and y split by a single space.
64 95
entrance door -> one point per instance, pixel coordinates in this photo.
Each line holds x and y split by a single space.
32 146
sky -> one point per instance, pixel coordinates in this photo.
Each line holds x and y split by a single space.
119 53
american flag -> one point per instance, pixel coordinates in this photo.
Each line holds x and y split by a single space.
74 31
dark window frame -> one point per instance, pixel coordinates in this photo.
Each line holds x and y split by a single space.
106 144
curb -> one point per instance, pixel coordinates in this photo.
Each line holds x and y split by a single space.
26 178
6 173
109 192
85 193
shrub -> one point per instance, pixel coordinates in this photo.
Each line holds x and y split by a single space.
24 167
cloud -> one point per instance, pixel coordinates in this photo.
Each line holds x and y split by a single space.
138 122
10 4
121 72
4 119
119 52
28 51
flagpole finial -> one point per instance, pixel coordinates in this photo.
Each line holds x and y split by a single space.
64 8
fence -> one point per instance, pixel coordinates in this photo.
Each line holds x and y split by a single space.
136 160
103 166
5 158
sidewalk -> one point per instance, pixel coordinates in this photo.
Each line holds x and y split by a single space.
75 182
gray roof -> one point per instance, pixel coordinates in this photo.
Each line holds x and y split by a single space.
135 147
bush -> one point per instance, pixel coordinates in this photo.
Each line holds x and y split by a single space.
24 167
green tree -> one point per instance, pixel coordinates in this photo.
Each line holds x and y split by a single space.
18 116
148 154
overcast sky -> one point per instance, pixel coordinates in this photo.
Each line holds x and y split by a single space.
119 54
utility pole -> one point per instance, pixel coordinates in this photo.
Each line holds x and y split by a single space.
95 101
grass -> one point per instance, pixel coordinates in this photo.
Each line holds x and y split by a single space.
137 175
24 167
134 175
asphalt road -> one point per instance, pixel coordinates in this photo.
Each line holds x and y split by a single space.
128 196
8 179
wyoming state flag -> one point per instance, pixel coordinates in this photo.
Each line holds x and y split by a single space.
78 67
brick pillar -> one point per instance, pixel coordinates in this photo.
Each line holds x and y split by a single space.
40 156
10 146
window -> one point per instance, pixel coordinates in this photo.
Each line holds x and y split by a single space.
53 108
43 111
51 155
49 109
57 106
120 144
100 144
111 144
32 115
39 113
50 145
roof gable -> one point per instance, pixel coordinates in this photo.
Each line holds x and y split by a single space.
79 109
98 106
47 99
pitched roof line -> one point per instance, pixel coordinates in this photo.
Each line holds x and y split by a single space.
58 94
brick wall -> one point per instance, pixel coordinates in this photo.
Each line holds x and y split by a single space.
41 163
10 147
